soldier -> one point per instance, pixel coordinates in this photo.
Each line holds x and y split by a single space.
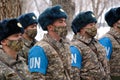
50 57
87 54
111 42
29 22
12 66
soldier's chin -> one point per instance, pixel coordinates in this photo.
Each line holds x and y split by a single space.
91 36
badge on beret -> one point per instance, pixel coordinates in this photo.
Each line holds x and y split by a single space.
92 15
62 10
19 25
33 17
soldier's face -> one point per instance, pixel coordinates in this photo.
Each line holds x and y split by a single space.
14 42
117 25
31 31
59 27
90 29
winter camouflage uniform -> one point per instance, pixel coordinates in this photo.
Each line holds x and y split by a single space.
8 73
11 69
94 64
27 45
115 57
58 58
75 73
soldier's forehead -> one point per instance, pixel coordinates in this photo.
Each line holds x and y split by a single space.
118 21
60 19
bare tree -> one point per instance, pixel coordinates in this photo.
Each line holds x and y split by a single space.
99 6
27 6
36 6
9 9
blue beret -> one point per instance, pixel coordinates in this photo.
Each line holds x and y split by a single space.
27 19
50 15
112 16
82 19
9 27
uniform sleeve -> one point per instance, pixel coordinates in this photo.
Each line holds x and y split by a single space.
76 63
6 73
38 76
37 60
106 42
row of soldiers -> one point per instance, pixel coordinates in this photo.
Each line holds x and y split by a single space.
55 57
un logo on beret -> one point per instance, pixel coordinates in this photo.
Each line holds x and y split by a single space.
19 25
62 10
34 17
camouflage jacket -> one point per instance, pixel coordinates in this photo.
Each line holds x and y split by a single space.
58 58
11 69
114 36
94 64
27 45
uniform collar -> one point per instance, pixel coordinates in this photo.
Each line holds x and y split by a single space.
114 33
83 38
53 41
8 60
50 39
29 43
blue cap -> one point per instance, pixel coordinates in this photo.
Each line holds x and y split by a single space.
27 19
9 27
112 16
82 19
50 15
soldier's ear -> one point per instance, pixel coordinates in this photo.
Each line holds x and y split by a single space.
82 31
50 28
4 42
115 25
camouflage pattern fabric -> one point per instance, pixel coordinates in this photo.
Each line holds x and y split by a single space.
27 45
11 69
6 73
94 64
75 73
115 57
58 58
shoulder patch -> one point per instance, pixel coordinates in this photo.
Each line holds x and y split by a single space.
106 42
37 60
76 57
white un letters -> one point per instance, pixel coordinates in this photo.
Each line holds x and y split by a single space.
74 58
35 62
